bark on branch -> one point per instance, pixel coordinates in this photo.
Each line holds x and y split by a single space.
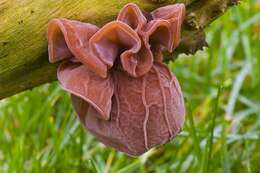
23 25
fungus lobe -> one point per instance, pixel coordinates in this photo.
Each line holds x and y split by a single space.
120 89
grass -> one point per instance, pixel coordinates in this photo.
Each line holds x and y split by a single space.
40 131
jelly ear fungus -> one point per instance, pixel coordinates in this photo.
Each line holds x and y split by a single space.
121 90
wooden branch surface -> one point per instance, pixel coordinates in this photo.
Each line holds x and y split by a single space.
23 25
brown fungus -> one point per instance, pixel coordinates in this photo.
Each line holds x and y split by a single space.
121 90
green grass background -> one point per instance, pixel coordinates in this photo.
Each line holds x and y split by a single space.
39 131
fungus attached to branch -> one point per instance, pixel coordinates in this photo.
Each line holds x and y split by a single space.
121 90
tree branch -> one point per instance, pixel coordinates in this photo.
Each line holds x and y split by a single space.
23 25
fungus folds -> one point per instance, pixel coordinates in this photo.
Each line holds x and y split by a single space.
120 89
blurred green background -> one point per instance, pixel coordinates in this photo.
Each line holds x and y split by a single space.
39 131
